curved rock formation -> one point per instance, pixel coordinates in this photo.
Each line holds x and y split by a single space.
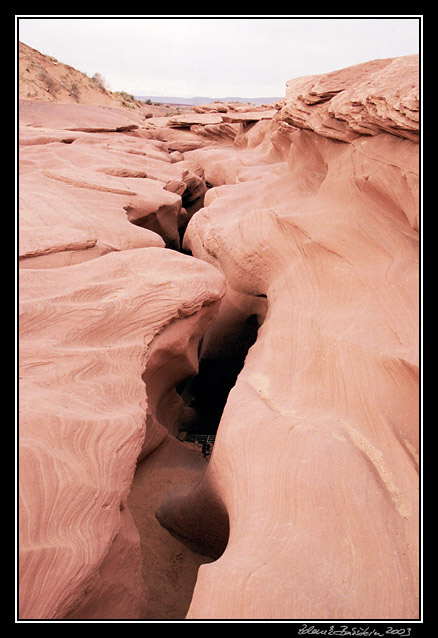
302 245
365 99
316 457
85 334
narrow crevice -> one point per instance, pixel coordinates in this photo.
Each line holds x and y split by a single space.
188 382
181 232
182 522
182 250
168 220
206 394
191 204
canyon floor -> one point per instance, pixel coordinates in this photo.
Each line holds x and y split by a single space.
250 274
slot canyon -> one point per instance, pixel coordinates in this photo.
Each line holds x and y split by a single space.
219 355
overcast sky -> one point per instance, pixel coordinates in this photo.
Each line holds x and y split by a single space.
216 56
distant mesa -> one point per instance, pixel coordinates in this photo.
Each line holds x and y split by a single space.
193 101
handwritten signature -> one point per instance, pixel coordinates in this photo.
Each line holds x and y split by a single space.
344 630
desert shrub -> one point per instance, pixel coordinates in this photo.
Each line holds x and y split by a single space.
49 82
99 80
75 91
127 96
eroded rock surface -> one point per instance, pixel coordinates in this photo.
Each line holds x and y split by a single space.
316 457
86 331
365 99
302 220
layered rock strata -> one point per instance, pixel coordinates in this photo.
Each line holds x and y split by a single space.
86 336
302 218
87 277
315 465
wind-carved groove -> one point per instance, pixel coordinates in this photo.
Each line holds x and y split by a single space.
172 358
191 368
206 394
199 519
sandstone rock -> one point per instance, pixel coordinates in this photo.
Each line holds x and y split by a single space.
159 214
160 121
169 567
189 119
75 196
330 496
365 99
176 156
303 234
222 132
63 223
250 116
77 117
229 165
215 107
85 333
179 139
119 591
